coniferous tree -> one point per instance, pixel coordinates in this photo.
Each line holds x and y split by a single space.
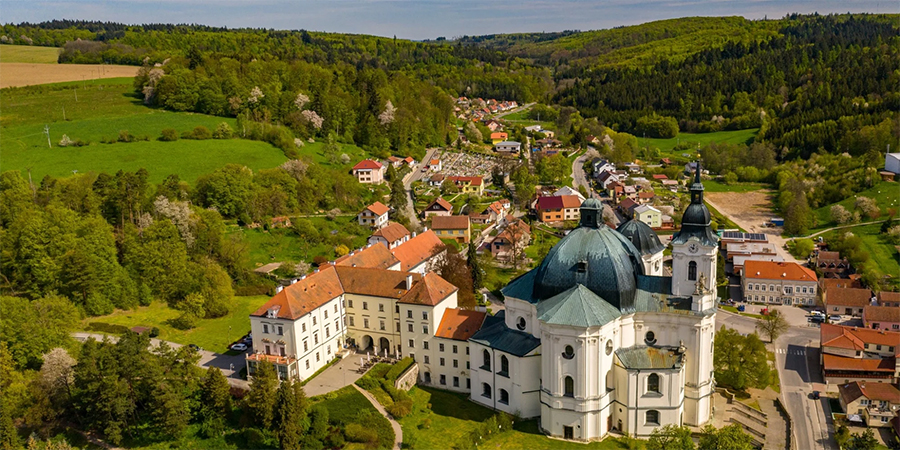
290 415
474 268
216 397
261 399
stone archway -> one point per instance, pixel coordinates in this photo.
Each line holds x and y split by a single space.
366 343
384 344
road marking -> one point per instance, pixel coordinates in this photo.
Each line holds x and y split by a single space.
782 351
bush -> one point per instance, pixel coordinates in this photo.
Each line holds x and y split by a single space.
200 133
154 332
358 433
399 368
125 136
185 321
223 131
400 409
168 135
368 383
658 126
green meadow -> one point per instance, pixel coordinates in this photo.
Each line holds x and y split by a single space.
28 54
885 193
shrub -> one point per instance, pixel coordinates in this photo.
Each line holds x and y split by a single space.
125 136
341 250
223 131
368 383
201 133
400 409
154 332
840 215
358 433
399 368
185 321
168 135
318 260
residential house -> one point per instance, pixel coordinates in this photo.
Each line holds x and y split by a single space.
858 354
832 265
395 161
495 211
626 207
630 192
671 185
436 180
469 185
390 236
508 147
615 190
557 209
649 215
601 165
438 207
873 404
881 317
456 228
606 178
887 298
548 143
633 167
645 197
787 283
369 171
375 215
493 125
533 128
892 163
690 167
660 177
849 301
515 236
665 161
420 253
444 360
568 190
498 137
434 165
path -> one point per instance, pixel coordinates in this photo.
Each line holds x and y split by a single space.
338 375
410 178
398 432
207 358
837 228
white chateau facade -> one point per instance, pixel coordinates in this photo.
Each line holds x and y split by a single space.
594 339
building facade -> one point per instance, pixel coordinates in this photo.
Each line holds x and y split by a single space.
369 172
783 283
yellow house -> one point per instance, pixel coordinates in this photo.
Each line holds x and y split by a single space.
469 185
498 137
649 215
452 227
874 403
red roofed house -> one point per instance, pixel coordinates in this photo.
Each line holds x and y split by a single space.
443 364
372 256
469 185
881 317
438 207
859 354
874 404
786 283
514 237
420 253
498 136
558 208
849 301
368 171
887 298
375 215
435 165
390 236
660 176
307 324
456 228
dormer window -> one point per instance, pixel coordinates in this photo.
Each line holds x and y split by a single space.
581 267
272 313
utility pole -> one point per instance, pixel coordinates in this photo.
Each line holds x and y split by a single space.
47 132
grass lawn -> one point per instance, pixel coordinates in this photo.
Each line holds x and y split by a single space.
666 146
715 186
345 406
210 334
28 54
281 245
886 194
881 253
451 417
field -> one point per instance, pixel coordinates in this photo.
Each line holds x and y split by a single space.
210 334
883 255
886 194
280 245
715 186
666 146
28 54
25 74
751 208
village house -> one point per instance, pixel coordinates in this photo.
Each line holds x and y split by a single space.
660 177
557 209
515 237
456 228
849 301
887 298
434 165
395 162
493 125
421 253
881 317
568 190
368 171
375 215
498 137
601 165
469 185
858 354
832 265
649 215
645 197
436 180
614 190
606 178
671 185
872 404
510 147
892 163
626 207
438 207
786 283
390 236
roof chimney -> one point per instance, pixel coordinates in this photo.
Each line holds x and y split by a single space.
409 281
279 288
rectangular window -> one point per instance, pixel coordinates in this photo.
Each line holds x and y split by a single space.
467 350
381 307
350 303
412 343
325 314
307 364
381 325
426 359
410 327
328 349
397 309
455 381
337 325
351 322
305 345
441 347
335 308
303 327
281 350
425 345
425 329
327 332
442 361
454 348
468 383
279 330
455 363
314 320
265 328
443 379
467 364
366 323
409 314
317 357
424 315
316 339
366 306
268 349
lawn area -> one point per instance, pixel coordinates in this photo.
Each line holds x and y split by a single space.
210 334
886 194
881 253
715 186
452 417
666 146
346 406
28 54
282 244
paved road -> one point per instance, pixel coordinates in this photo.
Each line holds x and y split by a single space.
521 108
579 178
414 176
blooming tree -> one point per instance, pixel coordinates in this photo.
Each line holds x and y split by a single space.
255 95
387 116
301 100
313 118
179 213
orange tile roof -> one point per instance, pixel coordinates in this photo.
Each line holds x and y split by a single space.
873 391
373 256
392 232
367 164
378 208
828 283
460 324
854 338
848 297
305 295
881 314
418 249
833 362
435 162
499 135
375 282
440 202
430 291
771 270
886 296
450 222
474 181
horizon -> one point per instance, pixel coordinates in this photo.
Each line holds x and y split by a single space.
421 20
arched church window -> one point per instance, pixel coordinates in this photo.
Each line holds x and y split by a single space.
569 387
504 365
692 271
504 397
485 390
653 383
486 356
569 352
652 417
520 324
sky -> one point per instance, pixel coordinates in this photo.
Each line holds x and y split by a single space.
419 19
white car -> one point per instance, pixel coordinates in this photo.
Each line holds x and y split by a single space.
239 347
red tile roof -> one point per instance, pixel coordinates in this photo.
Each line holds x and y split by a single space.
418 249
459 324
430 291
449 222
392 232
474 181
444 204
558 202
373 256
646 194
850 392
378 208
833 362
305 295
499 135
854 338
829 283
848 297
375 282
367 164
434 162
771 270
873 313
886 296
660 176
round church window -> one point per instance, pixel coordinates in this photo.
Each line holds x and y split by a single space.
520 324
609 347
569 352
650 338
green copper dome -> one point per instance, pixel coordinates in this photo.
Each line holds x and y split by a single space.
642 236
596 257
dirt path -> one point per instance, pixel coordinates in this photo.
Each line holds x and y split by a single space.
398 432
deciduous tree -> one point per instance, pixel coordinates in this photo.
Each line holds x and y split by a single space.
772 325
740 361
671 437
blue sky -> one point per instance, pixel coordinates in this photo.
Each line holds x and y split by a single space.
419 19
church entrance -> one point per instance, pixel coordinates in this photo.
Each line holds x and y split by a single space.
568 433
608 423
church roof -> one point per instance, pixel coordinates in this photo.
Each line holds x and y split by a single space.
577 307
495 334
644 357
696 220
642 236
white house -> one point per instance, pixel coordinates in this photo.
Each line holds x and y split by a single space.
892 163
508 147
375 215
391 235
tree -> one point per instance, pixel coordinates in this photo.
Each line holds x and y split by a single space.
9 436
840 215
863 441
801 248
731 437
740 361
169 411
332 149
216 395
33 328
453 268
772 325
290 415
798 217
671 437
260 401
227 189
474 268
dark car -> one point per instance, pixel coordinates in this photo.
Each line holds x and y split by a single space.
815 395
194 347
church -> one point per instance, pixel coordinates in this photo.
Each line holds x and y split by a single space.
596 339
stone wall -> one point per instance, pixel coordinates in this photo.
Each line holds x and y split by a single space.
408 378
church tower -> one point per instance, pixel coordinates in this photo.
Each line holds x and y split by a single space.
694 252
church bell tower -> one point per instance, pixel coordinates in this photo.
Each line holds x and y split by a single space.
694 252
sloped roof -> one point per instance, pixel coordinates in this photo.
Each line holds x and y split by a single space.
628 204
882 314
848 297
496 335
449 222
418 249
855 338
430 291
830 256
392 232
367 164
499 135
375 282
884 365
850 392
378 208
460 324
770 270
577 307
644 357
474 181
440 202
829 283
558 202
373 257
886 296
305 295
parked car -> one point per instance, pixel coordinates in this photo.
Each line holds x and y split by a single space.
816 319
194 346
815 395
239 347
741 308
834 318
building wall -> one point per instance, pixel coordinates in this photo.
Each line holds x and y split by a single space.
705 258
651 218
881 325
522 384
434 353
375 310
369 175
751 288
632 409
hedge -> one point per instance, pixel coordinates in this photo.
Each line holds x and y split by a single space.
399 368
